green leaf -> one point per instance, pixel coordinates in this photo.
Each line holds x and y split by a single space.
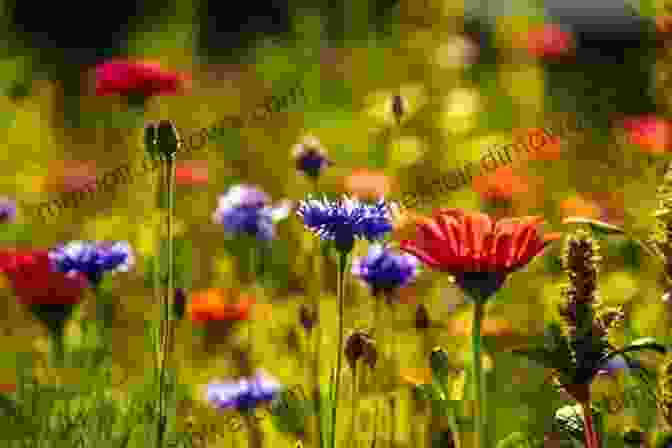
597 226
515 440
540 355
14 233
639 345
427 392
288 413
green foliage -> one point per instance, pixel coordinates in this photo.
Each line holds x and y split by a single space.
15 234
183 256
515 440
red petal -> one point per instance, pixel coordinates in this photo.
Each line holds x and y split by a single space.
412 248
449 225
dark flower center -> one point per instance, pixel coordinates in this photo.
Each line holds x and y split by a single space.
480 285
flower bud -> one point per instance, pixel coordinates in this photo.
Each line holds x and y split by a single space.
438 361
151 141
307 317
360 346
422 320
398 108
179 303
167 139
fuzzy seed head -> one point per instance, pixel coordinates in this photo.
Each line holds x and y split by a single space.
580 260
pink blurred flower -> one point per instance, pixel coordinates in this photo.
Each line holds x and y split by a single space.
651 133
125 77
548 40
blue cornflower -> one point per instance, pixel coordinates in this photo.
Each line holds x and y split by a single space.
311 158
245 394
343 221
384 270
7 210
92 259
246 210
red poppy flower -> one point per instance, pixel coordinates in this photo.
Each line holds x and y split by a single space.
35 283
479 252
191 172
548 40
653 134
211 305
137 77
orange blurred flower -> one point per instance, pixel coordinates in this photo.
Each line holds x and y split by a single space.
7 388
491 327
368 184
69 175
651 133
664 24
191 172
214 305
540 144
578 206
501 184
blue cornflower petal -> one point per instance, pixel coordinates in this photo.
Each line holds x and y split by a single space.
92 259
247 210
244 395
345 220
384 270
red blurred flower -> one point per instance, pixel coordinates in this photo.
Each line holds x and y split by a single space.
211 305
7 388
367 184
478 251
501 184
653 134
143 78
191 172
35 283
548 40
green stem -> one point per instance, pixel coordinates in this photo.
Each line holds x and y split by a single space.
166 315
479 384
57 347
342 262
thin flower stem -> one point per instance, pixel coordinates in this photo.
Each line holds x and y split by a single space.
317 329
479 386
342 262
355 405
166 318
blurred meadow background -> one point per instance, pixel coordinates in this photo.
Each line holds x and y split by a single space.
467 76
